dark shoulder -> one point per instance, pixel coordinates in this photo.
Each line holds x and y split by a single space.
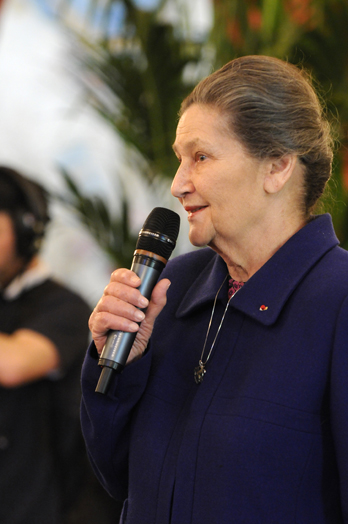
340 256
334 271
55 292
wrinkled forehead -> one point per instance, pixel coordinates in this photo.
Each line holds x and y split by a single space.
200 119
202 126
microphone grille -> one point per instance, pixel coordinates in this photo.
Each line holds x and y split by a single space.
159 232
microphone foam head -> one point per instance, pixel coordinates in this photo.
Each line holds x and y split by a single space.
159 232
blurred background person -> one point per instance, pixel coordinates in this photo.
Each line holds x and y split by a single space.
43 335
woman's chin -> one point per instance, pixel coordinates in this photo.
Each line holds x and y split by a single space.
198 240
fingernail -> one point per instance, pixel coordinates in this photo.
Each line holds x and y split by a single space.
133 327
143 302
139 315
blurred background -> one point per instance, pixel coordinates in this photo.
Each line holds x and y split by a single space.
89 94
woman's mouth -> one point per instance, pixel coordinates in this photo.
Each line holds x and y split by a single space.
191 210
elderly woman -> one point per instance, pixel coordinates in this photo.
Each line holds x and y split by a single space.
237 412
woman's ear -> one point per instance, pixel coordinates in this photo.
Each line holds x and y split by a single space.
278 173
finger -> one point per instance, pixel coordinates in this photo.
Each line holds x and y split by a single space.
100 332
115 314
101 323
158 298
119 307
157 303
125 276
125 293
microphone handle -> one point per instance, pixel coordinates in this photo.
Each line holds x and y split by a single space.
113 358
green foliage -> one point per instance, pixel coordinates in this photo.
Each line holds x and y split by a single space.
135 81
257 27
323 51
112 234
143 72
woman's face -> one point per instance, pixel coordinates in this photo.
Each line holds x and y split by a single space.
218 183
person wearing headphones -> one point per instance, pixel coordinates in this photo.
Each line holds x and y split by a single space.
43 335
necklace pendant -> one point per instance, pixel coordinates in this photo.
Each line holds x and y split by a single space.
199 372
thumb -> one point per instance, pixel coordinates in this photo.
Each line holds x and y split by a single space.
158 300
157 303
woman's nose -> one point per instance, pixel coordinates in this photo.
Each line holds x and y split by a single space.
182 183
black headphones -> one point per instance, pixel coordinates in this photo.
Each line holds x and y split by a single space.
28 210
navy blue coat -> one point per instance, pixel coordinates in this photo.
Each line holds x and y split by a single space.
264 438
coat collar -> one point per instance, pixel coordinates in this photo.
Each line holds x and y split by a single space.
272 285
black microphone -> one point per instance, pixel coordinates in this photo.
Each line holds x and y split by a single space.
155 244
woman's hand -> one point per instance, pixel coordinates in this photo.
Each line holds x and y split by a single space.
119 309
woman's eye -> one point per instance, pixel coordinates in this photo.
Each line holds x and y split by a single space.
200 157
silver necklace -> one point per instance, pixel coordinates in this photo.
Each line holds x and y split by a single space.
200 370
